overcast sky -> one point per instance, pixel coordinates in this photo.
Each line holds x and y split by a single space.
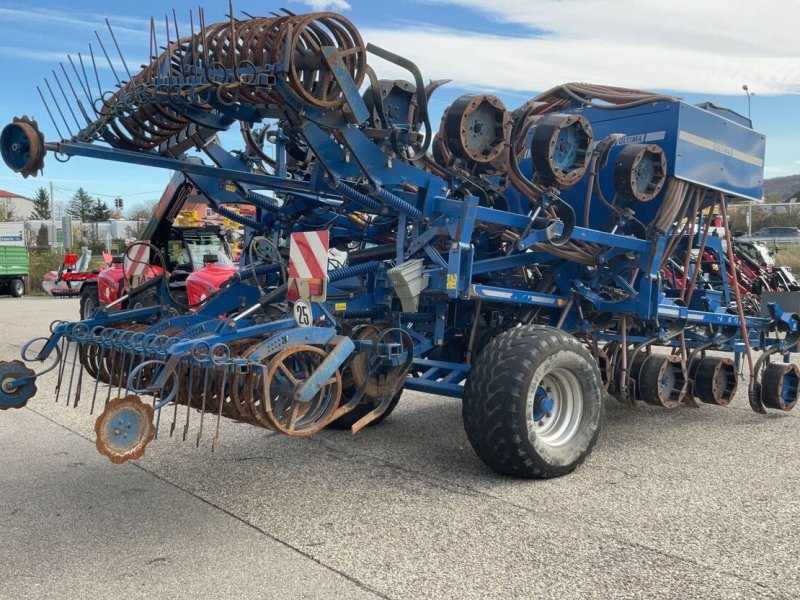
514 48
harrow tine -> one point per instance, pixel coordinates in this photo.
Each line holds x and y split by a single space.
156 395
130 368
97 377
96 75
111 368
58 107
222 395
116 44
189 400
175 407
108 59
79 384
96 384
47 108
64 350
123 356
78 101
203 406
72 372
66 99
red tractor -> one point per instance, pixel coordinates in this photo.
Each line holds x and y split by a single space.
197 259
68 281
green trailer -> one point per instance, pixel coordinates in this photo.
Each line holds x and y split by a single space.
14 267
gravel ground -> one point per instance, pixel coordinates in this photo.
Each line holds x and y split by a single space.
691 503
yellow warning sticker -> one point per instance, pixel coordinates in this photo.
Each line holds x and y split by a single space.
452 281
340 306
230 187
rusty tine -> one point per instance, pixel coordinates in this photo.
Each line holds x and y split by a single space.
108 59
111 367
97 377
221 406
72 372
121 57
64 350
58 107
47 108
175 407
156 395
79 384
66 98
189 399
203 406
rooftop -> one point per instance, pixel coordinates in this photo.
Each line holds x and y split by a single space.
5 194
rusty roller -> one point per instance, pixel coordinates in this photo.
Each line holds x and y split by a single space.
240 49
640 172
780 386
474 129
715 380
560 148
658 380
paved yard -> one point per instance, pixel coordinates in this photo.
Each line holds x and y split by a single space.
695 503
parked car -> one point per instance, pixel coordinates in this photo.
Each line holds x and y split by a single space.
778 235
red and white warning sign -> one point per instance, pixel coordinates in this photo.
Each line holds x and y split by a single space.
308 266
136 263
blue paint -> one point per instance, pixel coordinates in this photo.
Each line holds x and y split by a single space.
123 430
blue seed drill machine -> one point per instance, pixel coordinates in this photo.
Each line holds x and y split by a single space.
513 259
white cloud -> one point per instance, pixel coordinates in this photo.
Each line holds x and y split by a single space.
131 28
320 5
681 45
32 54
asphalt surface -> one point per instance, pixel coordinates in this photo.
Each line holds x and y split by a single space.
692 503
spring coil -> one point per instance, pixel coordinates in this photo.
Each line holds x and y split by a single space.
241 219
250 273
399 204
354 271
263 202
357 197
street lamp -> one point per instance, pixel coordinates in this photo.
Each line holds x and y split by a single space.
749 93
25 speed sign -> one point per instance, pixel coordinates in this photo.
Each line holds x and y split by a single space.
302 314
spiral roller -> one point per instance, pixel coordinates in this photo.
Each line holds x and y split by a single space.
235 61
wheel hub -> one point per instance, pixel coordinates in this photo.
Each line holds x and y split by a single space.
557 407
124 429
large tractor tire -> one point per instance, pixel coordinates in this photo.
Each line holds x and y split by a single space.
17 288
90 301
533 403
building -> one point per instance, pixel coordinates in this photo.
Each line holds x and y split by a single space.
105 232
22 207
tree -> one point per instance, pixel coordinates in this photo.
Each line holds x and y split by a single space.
41 237
7 211
99 212
41 205
141 212
80 207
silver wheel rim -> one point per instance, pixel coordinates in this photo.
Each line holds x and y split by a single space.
561 423
89 308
